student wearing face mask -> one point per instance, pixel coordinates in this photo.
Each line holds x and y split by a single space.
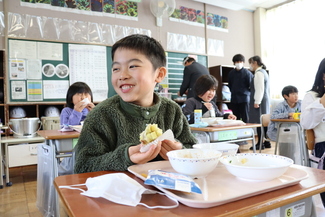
260 96
239 81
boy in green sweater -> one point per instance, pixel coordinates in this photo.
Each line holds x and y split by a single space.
110 136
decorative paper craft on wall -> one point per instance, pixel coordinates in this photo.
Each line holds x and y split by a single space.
189 16
218 22
108 7
196 17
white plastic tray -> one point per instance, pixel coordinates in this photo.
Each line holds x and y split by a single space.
220 187
76 127
227 123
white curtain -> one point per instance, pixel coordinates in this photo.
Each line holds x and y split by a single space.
294 44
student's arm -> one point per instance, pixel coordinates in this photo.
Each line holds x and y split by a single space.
70 116
312 111
248 80
181 130
259 87
280 112
217 111
188 110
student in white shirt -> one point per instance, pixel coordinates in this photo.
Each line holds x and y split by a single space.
313 115
260 96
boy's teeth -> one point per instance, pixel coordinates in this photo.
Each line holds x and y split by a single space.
126 87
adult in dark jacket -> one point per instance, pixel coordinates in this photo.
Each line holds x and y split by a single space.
192 71
239 81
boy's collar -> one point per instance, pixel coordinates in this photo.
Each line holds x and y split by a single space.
139 111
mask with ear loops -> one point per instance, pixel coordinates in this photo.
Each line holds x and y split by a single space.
118 188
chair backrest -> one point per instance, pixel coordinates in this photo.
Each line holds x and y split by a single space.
265 119
310 137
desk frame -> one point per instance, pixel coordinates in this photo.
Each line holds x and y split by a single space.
51 136
207 130
302 144
4 154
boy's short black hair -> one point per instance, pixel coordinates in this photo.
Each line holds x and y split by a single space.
77 87
205 83
145 45
289 89
238 58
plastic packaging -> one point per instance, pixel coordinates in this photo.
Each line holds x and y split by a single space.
197 115
174 181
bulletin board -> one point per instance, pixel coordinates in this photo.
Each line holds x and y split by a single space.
40 71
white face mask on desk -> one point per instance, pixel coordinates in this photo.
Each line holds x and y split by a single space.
118 188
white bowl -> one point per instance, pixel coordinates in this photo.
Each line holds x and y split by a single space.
226 148
211 121
196 163
255 166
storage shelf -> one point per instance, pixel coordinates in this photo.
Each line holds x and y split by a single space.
221 73
32 109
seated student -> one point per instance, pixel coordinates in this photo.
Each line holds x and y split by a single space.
313 116
77 110
110 137
205 89
284 110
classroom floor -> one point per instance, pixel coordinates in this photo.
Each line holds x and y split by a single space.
19 200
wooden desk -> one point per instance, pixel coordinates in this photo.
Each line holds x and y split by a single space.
302 144
58 145
56 134
208 130
80 206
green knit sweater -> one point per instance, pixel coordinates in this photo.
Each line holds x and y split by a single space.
114 125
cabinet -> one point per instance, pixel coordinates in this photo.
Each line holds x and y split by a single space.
22 154
32 109
220 72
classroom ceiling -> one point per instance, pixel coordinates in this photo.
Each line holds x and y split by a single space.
249 5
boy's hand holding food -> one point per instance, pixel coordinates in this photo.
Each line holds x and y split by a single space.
168 145
138 157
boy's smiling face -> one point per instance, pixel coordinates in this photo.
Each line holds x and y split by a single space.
134 78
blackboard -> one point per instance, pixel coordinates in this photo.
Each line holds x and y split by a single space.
176 68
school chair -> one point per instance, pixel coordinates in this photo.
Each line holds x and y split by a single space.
265 120
310 142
